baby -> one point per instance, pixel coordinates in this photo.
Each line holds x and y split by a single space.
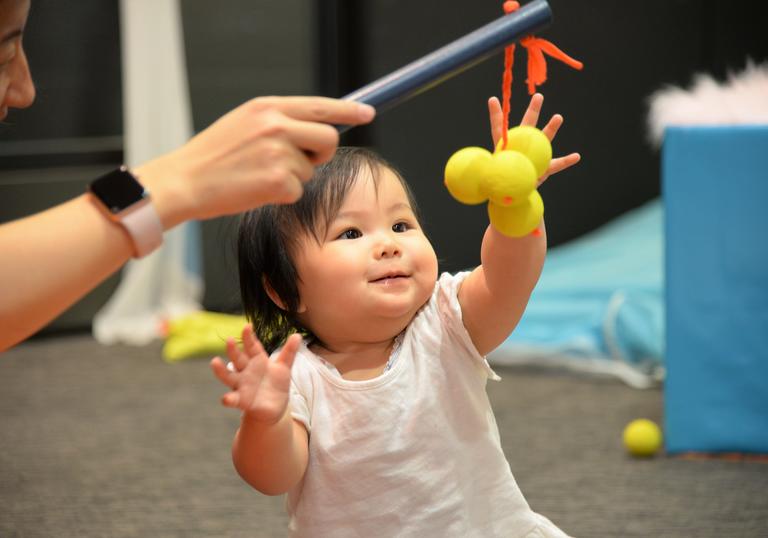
372 412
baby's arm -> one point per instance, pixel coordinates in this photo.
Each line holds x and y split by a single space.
494 296
270 449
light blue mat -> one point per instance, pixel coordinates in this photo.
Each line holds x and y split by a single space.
598 306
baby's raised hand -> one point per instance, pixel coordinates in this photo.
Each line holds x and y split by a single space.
259 386
531 117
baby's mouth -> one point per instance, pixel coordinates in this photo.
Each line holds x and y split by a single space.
389 278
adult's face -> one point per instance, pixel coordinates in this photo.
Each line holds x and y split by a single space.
16 87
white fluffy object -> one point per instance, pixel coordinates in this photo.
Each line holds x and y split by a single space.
742 99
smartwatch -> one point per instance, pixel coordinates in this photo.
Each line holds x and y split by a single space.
128 203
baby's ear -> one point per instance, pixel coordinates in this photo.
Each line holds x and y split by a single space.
275 298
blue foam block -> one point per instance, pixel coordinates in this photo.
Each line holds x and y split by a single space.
715 192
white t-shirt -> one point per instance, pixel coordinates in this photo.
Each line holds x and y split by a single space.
412 452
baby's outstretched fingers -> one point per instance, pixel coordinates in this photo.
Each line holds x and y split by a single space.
552 126
231 399
496 117
237 357
251 344
559 164
288 353
258 386
531 116
222 373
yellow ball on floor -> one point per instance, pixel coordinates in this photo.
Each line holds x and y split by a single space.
642 437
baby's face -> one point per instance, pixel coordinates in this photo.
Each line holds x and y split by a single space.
373 269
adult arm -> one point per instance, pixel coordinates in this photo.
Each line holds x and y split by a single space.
260 152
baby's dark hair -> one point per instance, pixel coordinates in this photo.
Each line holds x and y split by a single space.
269 236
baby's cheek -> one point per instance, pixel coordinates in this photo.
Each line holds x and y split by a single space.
433 264
430 275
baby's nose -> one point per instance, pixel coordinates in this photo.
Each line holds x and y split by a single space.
388 247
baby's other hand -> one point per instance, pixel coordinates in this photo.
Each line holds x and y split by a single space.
259 386
531 117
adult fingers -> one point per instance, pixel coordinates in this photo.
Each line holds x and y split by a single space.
317 140
320 109
292 145
302 158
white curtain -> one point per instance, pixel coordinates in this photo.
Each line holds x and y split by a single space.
157 119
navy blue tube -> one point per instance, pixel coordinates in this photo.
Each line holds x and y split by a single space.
445 62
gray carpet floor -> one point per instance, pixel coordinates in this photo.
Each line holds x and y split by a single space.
113 442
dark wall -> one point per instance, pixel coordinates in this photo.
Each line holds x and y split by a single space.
240 48
73 50
236 50
74 53
629 51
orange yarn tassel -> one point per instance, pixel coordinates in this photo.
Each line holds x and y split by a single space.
537 63
537 66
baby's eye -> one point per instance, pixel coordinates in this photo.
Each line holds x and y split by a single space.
352 233
400 227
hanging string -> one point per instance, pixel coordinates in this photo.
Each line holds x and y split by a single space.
506 83
537 66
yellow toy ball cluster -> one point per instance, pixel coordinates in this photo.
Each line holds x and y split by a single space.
531 142
505 179
642 438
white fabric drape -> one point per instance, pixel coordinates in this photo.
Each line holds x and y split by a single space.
157 118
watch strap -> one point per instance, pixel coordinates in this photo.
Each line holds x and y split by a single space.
143 225
125 201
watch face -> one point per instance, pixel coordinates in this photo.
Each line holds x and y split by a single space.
117 190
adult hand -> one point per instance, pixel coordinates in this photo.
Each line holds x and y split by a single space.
259 153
